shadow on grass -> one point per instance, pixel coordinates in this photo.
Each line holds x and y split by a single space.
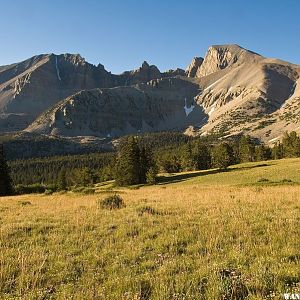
182 177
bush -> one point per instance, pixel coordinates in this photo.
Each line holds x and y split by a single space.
112 202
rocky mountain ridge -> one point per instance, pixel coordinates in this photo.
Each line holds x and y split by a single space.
230 91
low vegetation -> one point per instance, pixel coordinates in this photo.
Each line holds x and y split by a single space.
112 202
206 234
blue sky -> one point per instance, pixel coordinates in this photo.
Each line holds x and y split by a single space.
122 34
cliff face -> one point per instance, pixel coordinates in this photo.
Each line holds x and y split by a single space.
161 104
29 88
194 66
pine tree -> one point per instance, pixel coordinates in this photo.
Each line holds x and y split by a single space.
62 180
277 151
128 163
5 179
187 158
147 162
151 175
291 144
202 156
262 153
222 155
246 149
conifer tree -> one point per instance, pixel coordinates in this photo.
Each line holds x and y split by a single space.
62 180
222 155
128 163
291 144
277 151
247 149
187 158
5 179
202 156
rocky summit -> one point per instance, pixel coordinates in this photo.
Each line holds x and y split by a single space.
230 91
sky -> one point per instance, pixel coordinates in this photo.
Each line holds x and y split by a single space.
121 34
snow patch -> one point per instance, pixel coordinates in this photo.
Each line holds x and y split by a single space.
57 69
188 110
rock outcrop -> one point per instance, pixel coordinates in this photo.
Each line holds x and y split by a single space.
144 73
193 67
161 104
29 88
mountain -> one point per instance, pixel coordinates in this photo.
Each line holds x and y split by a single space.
158 105
29 88
243 92
230 91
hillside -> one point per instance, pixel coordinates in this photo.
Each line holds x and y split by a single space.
205 235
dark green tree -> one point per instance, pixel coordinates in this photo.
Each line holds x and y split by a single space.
62 184
247 149
202 156
151 175
222 155
277 151
291 144
6 187
170 162
262 152
128 163
187 157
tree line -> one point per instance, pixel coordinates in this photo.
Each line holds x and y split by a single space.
138 159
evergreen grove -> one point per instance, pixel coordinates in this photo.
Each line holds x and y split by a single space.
138 160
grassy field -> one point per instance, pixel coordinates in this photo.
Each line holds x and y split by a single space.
199 235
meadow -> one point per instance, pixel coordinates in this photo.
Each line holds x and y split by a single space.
196 235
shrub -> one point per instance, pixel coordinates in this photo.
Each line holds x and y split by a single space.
112 202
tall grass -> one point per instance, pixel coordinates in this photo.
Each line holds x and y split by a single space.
173 241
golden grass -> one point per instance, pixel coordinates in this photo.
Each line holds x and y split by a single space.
174 241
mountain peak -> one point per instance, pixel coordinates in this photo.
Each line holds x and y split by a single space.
145 65
193 67
219 57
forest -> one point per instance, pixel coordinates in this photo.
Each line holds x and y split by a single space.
138 160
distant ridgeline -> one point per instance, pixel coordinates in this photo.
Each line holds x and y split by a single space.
172 151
